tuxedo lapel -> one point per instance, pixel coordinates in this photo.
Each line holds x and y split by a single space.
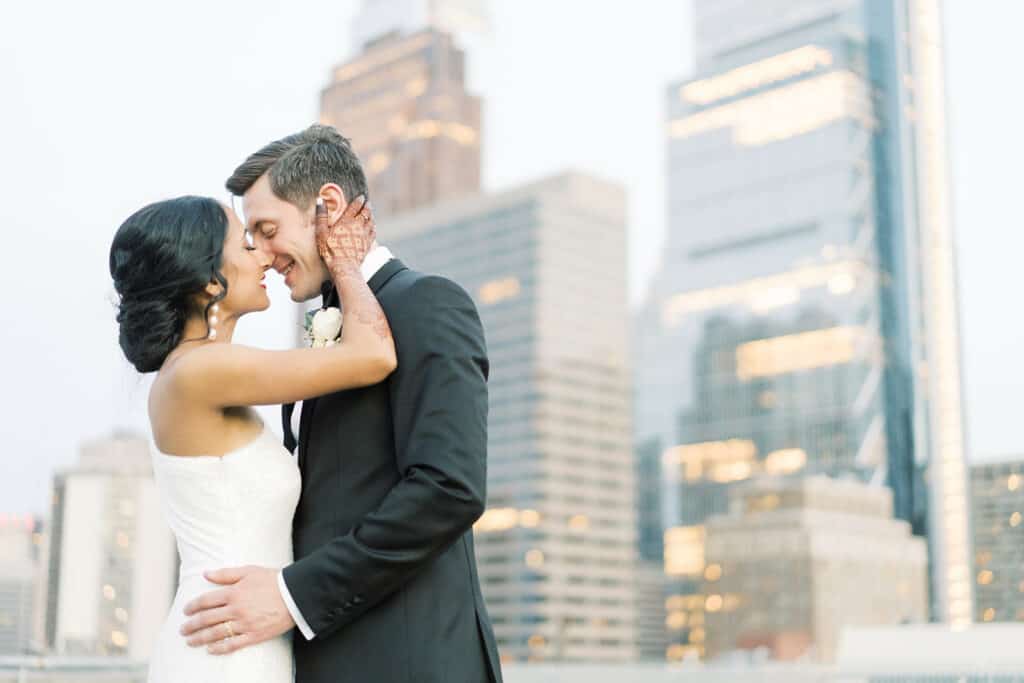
382 276
330 298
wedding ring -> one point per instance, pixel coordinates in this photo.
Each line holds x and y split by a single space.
231 631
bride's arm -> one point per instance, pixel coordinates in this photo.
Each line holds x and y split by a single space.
234 375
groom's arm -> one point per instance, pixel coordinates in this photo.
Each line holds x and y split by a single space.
439 407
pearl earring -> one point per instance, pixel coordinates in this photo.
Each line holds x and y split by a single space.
215 309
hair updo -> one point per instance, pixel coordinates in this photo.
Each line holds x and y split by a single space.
161 258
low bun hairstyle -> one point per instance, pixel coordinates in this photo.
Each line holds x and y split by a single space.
161 258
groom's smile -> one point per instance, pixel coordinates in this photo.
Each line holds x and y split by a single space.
284 232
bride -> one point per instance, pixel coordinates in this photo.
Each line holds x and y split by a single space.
185 273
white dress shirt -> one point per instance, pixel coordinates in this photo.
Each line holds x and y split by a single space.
375 260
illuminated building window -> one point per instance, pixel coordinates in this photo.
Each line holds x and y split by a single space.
989 614
497 519
843 283
1015 519
785 461
536 641
721 461
784 112
1013 482
684 550
697 635
769 501
985 577
803 351
579 522
678 602
713 603
534 559
429 128
500 290
529 518
119 638
675 621
750 293
759 74
713 572
108 592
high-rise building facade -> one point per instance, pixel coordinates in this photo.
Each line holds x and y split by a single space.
556 548
798 559
403 103
997 513
113 564
805 318
20 554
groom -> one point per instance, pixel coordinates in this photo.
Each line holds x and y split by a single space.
384 586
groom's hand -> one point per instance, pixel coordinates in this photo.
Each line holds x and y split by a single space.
247 611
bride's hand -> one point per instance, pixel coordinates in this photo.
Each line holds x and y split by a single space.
350 238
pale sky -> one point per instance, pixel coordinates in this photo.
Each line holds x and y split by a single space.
110 104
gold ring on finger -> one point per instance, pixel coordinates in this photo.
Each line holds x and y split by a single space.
231 631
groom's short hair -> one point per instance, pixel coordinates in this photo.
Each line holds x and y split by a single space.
300 164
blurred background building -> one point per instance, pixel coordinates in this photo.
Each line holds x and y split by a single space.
798 559
20 557
404 105
804 318
465 20
556 547
997 503
112 562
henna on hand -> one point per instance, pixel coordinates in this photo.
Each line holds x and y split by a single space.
343 247
350 238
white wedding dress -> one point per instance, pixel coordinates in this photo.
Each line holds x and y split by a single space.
226 511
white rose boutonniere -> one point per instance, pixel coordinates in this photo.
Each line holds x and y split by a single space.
323 327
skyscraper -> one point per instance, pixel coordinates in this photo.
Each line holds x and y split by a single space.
997 516
403 103
556 548
19 561
464 19
805 319
112 569
798 559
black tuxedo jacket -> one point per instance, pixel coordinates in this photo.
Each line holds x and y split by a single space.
393 478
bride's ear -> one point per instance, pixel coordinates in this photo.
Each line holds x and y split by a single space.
334 200
213 288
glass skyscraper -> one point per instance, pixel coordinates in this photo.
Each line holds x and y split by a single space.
805 319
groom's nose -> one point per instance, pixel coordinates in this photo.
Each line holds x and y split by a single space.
264 258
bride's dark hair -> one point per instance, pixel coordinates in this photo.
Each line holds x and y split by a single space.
161 258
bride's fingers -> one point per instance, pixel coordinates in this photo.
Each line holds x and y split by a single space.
354 207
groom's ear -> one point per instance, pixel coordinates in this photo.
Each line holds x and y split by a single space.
334 200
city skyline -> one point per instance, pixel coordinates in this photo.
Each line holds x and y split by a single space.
83 369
